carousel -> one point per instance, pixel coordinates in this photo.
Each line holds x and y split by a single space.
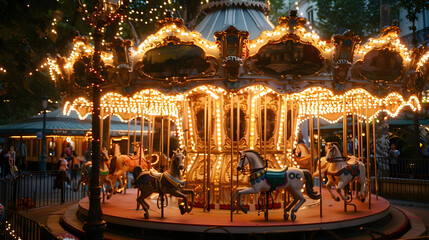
231 95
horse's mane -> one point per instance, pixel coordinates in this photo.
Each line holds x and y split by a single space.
254 152
338 146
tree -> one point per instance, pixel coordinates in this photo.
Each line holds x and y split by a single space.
33 28
361 16
278 9
413 8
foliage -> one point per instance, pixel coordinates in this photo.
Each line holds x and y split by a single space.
278 8
362 16
25 31
32 29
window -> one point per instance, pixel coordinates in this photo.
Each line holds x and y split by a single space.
310 15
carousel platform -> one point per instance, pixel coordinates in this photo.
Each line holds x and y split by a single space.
124 222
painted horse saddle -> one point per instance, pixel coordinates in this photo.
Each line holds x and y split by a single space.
276 177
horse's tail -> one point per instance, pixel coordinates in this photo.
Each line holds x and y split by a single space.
112 167
309 185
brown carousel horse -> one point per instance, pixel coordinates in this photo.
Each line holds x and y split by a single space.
122 164
168 182
85 173
303 156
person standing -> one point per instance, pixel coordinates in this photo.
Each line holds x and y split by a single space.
74 165
62 173
3 163
393 160
12 159
21 154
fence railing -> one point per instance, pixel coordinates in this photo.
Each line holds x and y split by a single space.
15 226
408 179
36 189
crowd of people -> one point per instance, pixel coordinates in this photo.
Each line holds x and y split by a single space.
13 160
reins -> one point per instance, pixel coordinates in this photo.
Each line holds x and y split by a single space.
251 171
335 159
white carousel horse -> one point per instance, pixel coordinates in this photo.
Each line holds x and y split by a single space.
168 182
264 179
341 173
122 164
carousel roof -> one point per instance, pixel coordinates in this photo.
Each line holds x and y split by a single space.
325 78
244 19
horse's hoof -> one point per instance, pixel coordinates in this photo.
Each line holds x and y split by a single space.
244 210
285 216
146 215
337 199
182 209
108 197
362 199
293 217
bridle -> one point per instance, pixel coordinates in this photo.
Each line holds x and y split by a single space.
334 159
243 170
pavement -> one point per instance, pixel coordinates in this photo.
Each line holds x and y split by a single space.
418 213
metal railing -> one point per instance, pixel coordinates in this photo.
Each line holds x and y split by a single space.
36 189
407 180
17 226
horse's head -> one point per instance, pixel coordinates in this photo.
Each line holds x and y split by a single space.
177 159
104 155
332 151
243 161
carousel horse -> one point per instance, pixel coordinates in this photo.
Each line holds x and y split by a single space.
122 164
168 182
341 172
303 156
103 171
265 179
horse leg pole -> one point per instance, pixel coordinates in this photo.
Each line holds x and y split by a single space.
267 196
161 195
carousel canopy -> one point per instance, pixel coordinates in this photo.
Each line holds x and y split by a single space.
326 78
59 124
247 16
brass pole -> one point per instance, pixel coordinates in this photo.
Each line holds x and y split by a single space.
231 133
265 127
285 139
205 155
319 146
344 138
368 155
375 159
135 130
129 135
238 133
311 140
209 134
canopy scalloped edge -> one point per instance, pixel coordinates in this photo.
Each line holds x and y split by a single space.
315 101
